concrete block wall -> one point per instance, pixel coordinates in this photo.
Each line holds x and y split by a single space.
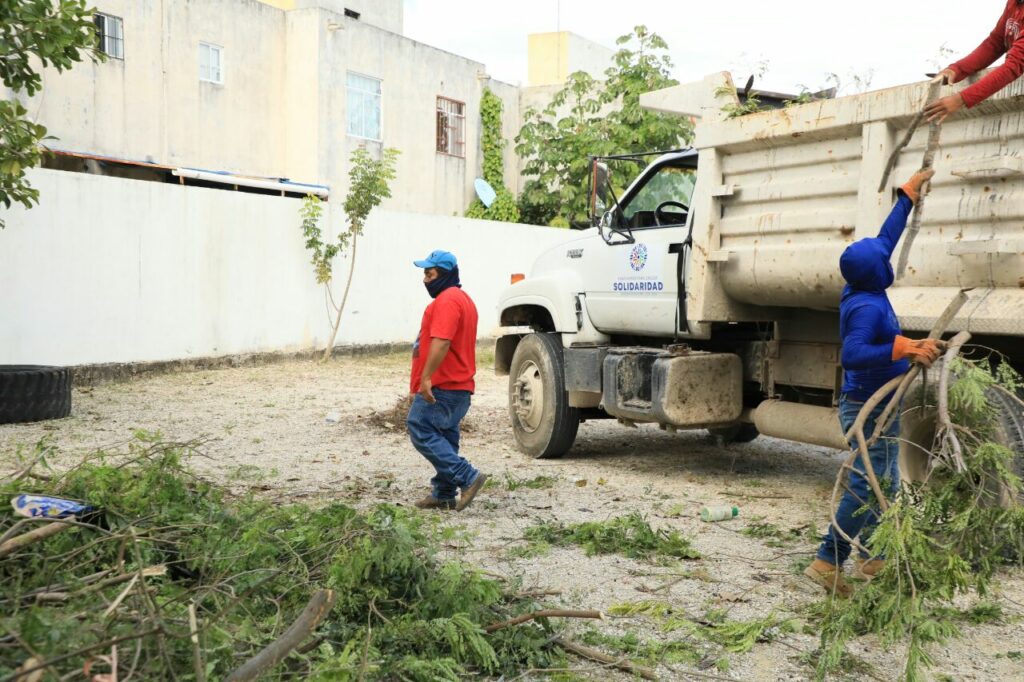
109 270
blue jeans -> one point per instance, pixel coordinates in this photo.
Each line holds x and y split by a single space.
854 515
434 431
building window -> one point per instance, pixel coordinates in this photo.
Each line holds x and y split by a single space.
110 35
211 63
451 127
351 14
364 106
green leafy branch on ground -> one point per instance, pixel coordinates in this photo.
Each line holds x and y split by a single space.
708 638
942 538
166 542
628 535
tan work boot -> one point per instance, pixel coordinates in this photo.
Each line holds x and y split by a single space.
867 569
912 187
828 576
431 502
469 493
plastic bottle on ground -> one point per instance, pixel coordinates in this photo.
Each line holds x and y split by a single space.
721 512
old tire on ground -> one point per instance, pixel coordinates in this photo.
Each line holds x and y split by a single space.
543 423
31 393
737 433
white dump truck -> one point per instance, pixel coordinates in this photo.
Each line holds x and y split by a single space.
706 295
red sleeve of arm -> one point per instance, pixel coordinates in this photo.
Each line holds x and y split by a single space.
984 54
445 321
999 78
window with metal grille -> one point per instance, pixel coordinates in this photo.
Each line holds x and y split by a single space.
364 106
211 63
110 34
451 127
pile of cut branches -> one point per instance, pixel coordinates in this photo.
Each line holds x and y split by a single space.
173 579
945 536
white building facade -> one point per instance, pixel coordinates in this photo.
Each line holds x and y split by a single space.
280 89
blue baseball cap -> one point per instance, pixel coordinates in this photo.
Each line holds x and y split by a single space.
438 259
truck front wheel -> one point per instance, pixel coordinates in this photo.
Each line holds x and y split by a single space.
543 422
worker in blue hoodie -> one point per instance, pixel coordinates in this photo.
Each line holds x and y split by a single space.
874 351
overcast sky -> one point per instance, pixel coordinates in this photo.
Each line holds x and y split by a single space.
802 41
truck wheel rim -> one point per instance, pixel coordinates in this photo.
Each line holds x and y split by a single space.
528 397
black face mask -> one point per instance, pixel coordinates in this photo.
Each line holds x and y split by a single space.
445 279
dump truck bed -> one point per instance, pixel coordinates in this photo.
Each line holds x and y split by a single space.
781 193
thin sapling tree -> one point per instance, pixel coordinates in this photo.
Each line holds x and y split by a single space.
369 180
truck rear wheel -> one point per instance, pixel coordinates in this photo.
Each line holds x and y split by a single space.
1011 427
543 423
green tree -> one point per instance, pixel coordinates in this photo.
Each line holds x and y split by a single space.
369 184
590 117
34 33
503 208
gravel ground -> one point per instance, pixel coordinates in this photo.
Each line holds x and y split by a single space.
267 430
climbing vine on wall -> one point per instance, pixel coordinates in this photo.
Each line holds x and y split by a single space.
503 208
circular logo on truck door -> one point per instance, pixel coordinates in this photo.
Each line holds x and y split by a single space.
638 257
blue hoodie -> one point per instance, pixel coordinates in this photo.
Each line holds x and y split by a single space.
867 322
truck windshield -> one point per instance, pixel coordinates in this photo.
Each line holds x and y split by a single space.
669 184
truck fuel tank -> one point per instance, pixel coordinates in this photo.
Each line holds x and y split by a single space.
679 386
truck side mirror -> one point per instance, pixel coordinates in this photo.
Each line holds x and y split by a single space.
599 176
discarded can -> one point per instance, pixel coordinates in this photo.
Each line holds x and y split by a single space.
44 506
721 512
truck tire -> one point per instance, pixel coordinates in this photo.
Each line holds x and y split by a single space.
31 393
543 423
1011 427
737 433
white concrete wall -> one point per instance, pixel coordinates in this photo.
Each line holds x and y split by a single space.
114 270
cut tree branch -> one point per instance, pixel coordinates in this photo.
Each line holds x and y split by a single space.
543 613
272 654
601 657
36 535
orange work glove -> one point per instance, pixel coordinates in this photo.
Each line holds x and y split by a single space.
912 187
922 351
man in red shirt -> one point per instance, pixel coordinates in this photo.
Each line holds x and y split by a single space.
1008 38
443 367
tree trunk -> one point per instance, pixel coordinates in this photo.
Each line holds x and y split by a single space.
341 307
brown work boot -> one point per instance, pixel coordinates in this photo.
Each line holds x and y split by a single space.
431 502
828 576
912 187
469 493
867 569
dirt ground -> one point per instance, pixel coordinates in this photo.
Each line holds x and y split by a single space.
267 430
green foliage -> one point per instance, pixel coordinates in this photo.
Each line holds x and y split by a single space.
941 540
628 535
713 629
369 185
249 566
323 254
34 34
593 118
492 143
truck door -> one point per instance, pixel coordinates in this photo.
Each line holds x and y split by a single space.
632 286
